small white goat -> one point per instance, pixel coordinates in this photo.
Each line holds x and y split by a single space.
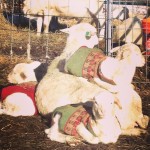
95 65
95 124
23 72
19 99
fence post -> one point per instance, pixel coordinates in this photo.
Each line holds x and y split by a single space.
108 26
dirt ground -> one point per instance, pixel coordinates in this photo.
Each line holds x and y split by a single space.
19 133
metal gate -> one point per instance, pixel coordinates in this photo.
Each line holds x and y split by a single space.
130 29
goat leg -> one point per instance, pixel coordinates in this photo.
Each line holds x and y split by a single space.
86 135
143 122
73 141
107 86
53 133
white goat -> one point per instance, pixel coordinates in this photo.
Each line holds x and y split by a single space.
74 89
23 72
19 99
121 69
94 65
43 10
74 123
72 8
129 31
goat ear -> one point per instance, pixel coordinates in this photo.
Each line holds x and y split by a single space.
119 51
35 64
115 49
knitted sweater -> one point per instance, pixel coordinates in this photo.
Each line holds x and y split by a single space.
27 88
85 62
71 116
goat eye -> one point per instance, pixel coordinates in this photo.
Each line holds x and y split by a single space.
23 76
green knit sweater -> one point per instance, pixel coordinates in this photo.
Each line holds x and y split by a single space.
71 116
84 62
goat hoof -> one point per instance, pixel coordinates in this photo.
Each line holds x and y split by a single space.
143 123
95 140
113 90
73 141
1 111
47 131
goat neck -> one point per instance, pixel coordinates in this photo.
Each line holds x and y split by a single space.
71 47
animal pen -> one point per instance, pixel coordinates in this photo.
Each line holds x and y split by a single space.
19 43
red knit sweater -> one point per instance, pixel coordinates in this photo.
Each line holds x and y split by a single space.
27 88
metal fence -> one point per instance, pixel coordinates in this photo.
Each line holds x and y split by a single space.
130 30
123 23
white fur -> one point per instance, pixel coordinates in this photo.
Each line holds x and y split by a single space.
77 38
23 72
108 128
18 104
105 125
72 90
121 69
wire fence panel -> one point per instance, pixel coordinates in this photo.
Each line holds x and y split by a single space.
130 28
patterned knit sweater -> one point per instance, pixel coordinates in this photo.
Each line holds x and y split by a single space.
71 116
85 62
